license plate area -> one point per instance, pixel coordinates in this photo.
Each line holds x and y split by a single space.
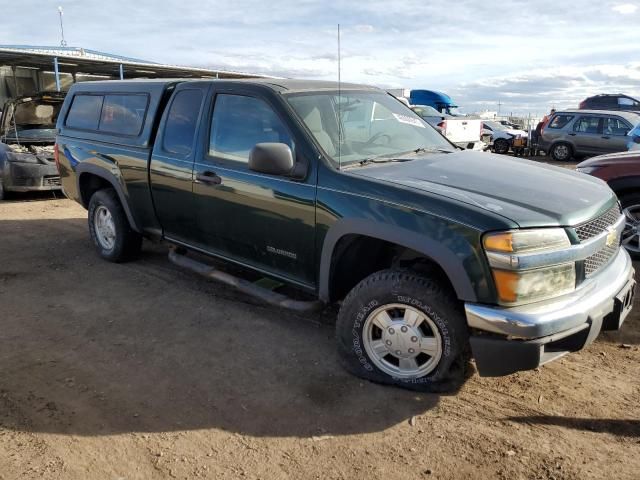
623 303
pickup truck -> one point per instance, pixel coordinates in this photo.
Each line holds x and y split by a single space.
433 254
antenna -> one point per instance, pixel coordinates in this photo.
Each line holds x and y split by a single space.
339 106
63 42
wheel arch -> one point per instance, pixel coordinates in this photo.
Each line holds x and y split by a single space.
625 185
443 258
92 178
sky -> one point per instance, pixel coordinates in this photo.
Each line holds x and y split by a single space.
526 56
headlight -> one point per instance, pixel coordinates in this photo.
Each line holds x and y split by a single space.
515 282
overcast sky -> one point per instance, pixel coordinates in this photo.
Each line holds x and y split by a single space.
528 55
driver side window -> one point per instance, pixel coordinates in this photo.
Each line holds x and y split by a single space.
239 123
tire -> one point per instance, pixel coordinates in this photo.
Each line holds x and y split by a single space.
109 227
501 146
403 292
631 234
561 152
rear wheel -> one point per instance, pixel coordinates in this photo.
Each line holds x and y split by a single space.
501 146
631 234
561 152
110 231
400 328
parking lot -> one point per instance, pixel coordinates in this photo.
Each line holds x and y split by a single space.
141 370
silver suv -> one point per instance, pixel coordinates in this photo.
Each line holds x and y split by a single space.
587 132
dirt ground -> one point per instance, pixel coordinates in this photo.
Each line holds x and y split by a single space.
141 371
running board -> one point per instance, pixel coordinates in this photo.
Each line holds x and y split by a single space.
244 286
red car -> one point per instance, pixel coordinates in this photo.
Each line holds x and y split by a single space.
622 172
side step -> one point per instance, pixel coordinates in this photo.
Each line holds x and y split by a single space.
268 296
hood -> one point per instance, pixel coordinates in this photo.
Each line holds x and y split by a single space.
611 158
526 192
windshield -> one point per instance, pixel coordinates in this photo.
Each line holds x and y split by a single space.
32 117
357 126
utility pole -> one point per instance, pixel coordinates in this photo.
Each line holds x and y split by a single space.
63 42
499 105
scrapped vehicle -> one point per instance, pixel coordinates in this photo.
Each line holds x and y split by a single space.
27 137
503 138
586 132
617 101
621 171
434 254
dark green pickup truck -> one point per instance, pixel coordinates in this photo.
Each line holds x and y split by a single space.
435 255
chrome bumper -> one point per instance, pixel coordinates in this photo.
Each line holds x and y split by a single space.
590 303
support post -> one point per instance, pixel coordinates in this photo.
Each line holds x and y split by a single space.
121 72
57 72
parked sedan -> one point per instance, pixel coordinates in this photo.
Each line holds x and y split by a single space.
587 132
621 171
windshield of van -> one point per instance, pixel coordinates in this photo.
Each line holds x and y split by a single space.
360 126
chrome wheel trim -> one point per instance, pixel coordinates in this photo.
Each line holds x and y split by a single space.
105 227
561 152
631 232
402 341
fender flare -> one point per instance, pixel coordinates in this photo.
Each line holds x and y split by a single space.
451 264
625 183
113 181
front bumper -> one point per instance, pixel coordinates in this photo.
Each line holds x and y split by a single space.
25 177
508 340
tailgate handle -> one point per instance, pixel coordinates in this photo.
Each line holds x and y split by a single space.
209 177
607 137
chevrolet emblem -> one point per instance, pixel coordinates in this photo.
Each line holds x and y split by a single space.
612 237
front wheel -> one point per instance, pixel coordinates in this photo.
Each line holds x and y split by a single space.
110 231
561 152
501 146
400 328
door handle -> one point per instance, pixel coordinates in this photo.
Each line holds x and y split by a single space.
606 137
209 177
572 134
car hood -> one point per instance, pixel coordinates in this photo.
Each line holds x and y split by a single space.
611 158
527 193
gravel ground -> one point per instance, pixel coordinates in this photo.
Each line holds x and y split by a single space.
141 370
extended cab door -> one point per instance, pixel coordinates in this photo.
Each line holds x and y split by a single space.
172 160
260 220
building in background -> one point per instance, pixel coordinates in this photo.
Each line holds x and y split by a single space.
25 70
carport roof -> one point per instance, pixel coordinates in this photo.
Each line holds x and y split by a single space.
80 60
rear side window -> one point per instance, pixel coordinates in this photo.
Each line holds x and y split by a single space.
239 123
84 113
117 114
123 114
559 121
587 125
182 119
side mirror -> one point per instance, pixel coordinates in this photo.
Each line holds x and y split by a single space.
271 158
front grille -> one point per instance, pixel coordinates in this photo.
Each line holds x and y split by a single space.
599 225
592 228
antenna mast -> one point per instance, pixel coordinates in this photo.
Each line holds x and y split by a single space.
339 106
63 42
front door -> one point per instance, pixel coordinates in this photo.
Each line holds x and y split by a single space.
260 220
